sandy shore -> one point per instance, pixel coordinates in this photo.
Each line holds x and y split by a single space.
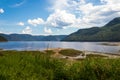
109 55
105 55
111 43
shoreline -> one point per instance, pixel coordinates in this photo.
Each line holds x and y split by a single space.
87 53
111 43
94 53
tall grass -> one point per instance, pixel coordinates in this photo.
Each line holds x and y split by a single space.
35 65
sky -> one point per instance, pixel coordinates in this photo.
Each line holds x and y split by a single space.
55 17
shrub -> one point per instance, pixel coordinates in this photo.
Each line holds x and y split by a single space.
71 52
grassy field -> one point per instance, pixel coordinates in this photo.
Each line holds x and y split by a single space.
35 65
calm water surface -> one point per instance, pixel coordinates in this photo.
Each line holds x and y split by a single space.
41 45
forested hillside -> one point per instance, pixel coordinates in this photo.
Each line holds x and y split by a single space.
109 32
2 39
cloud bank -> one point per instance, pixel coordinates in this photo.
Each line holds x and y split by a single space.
60 19
76 13
84 14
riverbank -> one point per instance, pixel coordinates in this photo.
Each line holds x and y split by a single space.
73 54
82 54
111 43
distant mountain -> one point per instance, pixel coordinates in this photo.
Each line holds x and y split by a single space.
53 38
2 39
27 37
109 32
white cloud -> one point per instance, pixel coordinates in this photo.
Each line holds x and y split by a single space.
60 19
21 24
59 4
27 30
36 22
110 1
48 31
19 4
85 14
1 10
76 13
100 14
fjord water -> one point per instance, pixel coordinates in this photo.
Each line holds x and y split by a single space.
42 45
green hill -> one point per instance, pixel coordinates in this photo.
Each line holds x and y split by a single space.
109 32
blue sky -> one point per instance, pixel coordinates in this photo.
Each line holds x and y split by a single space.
55 17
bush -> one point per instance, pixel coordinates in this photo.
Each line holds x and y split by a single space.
71 52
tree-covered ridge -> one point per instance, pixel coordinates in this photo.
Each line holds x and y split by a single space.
2 39
109 32
28 37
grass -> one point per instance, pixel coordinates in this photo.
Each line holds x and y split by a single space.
71 52
35 65
95 56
